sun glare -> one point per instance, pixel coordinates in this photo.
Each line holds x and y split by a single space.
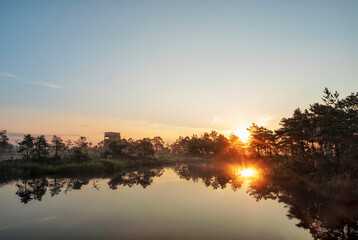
243 134
247 172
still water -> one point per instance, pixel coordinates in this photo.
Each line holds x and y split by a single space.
164 203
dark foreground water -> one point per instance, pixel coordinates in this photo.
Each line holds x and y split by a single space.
163 203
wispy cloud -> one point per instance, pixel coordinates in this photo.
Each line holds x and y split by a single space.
9 76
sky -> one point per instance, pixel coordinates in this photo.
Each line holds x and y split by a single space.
169 68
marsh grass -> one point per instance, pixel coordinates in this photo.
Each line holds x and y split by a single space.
13 169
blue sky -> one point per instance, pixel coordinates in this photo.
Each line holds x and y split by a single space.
169 68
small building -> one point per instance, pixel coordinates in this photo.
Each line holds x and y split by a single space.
111 137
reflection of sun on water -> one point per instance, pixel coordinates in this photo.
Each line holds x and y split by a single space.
247 172
243 134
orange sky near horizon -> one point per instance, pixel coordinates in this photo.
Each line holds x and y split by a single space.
73 126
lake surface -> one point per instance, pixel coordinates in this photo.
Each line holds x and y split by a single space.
164 203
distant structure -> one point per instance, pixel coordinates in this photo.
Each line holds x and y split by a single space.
111 137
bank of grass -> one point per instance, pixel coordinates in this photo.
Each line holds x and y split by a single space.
92 167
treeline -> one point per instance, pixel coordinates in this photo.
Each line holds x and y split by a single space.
37 148
131 148
33 148
209 145
323 133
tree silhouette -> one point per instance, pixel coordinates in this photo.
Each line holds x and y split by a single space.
26 146
57 145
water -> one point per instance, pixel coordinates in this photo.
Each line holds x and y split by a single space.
164 203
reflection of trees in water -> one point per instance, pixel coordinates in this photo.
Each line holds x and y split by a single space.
31 189
76 184
326 218
56 185
35 189
210 175
141 177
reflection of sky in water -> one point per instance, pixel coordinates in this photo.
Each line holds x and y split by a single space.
170 208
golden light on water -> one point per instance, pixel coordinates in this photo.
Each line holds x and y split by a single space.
243 134
248 172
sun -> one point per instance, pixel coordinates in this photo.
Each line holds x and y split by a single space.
243 134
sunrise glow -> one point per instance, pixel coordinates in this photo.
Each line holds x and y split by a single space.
243 134
248 172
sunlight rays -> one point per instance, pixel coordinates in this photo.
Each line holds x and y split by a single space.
247 173
243 134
